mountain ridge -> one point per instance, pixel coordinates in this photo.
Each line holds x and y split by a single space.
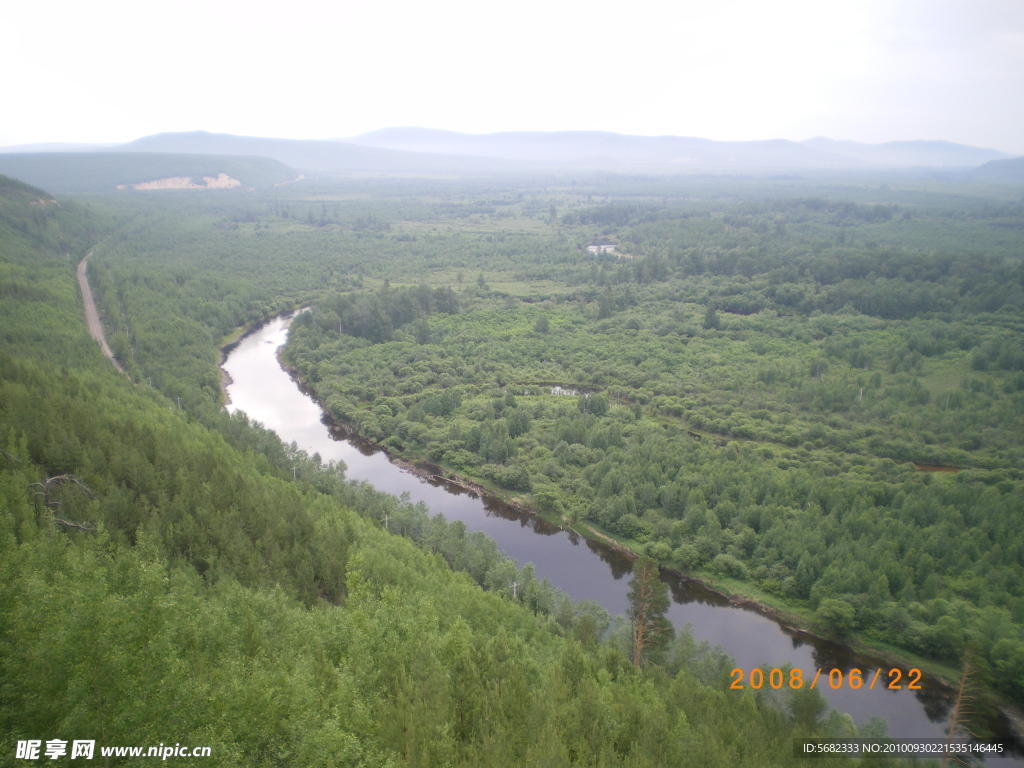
309 155
413 150
552 146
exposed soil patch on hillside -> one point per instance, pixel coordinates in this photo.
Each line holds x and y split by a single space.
221 181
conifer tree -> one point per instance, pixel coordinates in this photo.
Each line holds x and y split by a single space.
648 602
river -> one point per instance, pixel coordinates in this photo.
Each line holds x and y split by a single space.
581 568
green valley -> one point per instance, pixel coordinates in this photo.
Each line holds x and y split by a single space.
744 385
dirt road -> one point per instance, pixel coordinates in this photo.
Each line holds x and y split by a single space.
92 318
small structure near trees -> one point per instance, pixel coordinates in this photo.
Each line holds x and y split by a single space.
601 245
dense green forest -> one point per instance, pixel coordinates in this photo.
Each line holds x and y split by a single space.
168 576
754 371
746 391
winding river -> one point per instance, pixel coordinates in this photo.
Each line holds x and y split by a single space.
583 569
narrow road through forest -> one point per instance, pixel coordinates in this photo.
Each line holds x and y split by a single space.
92 317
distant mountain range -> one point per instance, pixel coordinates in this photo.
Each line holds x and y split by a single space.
313 156
596 148
430 151
421 151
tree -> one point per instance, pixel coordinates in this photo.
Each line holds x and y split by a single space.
838 615
595 404
422 331
807 706
711 318
648 602
961 705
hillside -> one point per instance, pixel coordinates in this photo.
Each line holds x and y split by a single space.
1008 171
79 172
310 156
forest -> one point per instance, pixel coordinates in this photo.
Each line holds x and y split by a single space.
739 392
749 391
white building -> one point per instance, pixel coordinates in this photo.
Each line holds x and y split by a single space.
601 248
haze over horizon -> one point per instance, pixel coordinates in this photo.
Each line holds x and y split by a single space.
871 71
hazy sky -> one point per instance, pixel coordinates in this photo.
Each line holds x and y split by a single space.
868 70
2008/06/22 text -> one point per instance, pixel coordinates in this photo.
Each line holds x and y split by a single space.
895 679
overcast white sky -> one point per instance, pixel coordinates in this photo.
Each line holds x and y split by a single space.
868 70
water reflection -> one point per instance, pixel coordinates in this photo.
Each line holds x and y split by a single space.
618 563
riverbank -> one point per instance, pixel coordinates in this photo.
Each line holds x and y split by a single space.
227 345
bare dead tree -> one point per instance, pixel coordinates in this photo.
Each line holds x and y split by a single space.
46 488
961 709
12 458
58 480
79 526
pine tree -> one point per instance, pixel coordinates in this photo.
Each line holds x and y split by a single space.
648 602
